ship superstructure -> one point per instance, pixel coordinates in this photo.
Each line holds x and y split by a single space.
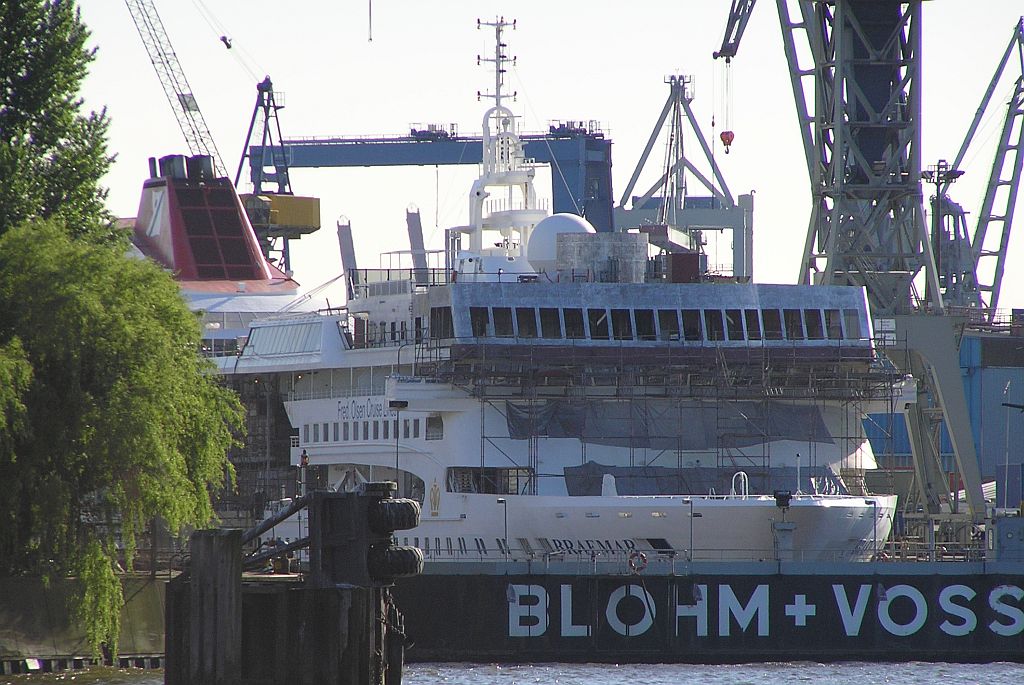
544 389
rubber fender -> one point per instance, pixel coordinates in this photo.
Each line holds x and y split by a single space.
387 515
394 561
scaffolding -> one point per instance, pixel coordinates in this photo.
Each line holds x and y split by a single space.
638 399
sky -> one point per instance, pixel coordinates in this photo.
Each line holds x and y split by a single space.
343 73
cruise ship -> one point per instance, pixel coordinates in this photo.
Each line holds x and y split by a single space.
547 391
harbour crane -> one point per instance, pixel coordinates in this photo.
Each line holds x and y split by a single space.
858 109
858 104
268 103
277 216
172 78
971 267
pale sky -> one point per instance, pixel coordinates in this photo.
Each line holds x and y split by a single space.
601 60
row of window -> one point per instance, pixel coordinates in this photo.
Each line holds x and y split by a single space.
379 429
665 324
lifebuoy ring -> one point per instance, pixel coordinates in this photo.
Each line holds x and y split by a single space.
637 562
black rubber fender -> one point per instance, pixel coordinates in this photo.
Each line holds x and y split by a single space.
388 515
394 561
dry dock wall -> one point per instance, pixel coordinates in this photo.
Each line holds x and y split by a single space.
884 612
36 622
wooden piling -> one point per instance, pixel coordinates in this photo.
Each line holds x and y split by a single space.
210 652
338 626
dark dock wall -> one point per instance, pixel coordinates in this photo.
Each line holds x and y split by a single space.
36 622
225 629
289 634
716 618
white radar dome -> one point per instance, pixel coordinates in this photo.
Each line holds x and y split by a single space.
542 249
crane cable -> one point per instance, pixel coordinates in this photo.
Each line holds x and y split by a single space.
727 134
242 57
554 162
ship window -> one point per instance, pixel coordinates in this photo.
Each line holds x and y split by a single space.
435 428
598 324
387 431
815 329
526 320
714 325
415 428
574 324
487 480
479 321
502 322
326 436
794 324
668 321
753 324
441 323
376 430
335 431
833 326
316 432
402 330
851 322
344 431
394 331
405 428
691 324
734 324
772 324
645 324
550 325
622 324
305 432
355 430
366 430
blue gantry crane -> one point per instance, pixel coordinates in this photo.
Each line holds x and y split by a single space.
579 155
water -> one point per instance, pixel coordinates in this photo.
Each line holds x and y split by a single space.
795 673
741 674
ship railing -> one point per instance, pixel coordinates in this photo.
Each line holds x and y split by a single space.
332 393
653 562
380 282
915 549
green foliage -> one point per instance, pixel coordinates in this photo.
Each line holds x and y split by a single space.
120 419
109 417
51 154
100 607
15 375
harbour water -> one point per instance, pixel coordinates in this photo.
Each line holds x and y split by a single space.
738 674
805 673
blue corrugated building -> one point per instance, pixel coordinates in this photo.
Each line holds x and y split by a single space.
992 367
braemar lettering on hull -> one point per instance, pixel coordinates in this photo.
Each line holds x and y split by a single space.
899 609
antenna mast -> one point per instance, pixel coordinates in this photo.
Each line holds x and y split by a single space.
499 60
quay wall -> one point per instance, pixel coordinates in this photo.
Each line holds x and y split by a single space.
37 623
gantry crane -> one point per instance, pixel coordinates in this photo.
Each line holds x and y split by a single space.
172 78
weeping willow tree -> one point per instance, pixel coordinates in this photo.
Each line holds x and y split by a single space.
110 416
